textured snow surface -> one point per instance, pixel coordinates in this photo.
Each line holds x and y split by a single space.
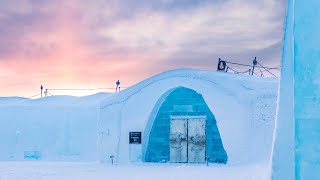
59 127
95 171
59 100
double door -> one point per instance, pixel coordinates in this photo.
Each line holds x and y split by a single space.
187 139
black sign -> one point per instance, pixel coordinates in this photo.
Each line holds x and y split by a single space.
135 137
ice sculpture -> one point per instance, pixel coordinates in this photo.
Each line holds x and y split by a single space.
296 153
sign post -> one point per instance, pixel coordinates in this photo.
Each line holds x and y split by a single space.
135 138
135 146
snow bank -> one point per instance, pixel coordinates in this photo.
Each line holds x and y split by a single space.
244 108
50 128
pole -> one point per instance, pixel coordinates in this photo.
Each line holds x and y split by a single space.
254 64
111 157
118 86
41 88
218 64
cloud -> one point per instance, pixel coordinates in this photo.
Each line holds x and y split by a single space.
232 27
70 42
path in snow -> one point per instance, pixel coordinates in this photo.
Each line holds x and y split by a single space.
95 171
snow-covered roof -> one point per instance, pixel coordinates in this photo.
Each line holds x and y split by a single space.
60 100
225 81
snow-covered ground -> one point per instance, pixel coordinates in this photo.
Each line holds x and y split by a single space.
95 171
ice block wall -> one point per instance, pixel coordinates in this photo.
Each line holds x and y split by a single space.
307 88
283 142
299 115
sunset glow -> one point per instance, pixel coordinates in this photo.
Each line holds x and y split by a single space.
86 44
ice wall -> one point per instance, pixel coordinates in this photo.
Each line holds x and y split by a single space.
302 33
55 128
307 88
283 151
57 133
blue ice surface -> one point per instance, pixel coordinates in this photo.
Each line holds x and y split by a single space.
307 88
183 102
283 149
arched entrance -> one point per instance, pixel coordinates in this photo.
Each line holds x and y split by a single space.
183 130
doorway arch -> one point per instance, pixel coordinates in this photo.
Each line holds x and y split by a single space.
181 101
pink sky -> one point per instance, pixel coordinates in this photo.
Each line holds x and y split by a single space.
91 45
